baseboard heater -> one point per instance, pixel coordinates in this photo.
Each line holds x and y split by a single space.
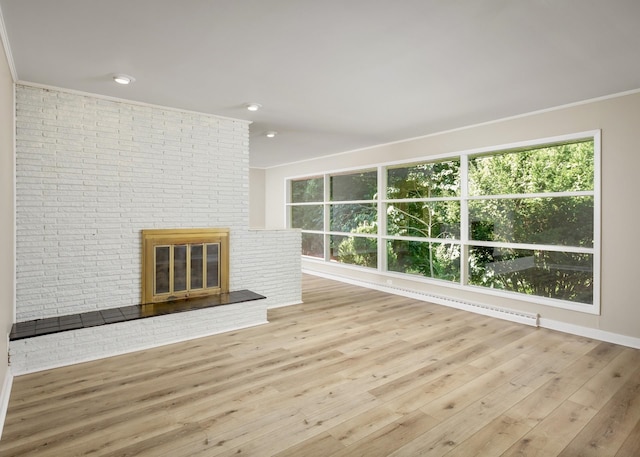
474 307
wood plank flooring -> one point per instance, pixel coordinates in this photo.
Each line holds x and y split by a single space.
351 372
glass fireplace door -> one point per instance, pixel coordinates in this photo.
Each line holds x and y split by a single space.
184 267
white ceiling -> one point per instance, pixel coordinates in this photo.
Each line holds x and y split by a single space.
333 75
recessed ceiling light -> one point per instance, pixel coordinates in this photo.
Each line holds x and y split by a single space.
271 134
253 106
123 79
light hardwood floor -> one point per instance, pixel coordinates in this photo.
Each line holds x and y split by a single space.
349 372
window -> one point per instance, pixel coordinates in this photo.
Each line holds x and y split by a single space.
307 213
423 219
341 215
531 221
519 220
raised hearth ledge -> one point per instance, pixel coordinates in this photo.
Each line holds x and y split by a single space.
49 325
71 346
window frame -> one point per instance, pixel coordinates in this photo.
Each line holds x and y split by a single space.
464 240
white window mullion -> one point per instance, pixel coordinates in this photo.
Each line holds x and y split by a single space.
382 219
287 203
597 219
464 219
326 217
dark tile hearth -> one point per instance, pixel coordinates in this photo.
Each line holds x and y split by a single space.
49 325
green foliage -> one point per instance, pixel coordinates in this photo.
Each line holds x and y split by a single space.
307 190
424 205
313 244
557 168
558 275
357 250
433 260
564 221
427 180
307 217
425 219
355 186
349 217
551 220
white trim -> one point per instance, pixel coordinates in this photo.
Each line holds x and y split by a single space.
581 193
4 398
14 248
126 101
382 221
282 305
473 307
534 299
597 221
463 241
493 311
466 127
597 334
7 49
532 247
464 219
7 383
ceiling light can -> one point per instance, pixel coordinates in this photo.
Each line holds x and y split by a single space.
253 106
271 134
123 79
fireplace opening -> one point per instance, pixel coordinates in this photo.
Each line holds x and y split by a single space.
184 263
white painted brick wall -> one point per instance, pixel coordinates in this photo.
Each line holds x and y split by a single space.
60 349
91 173
261 264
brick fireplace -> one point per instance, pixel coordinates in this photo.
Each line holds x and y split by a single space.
91 174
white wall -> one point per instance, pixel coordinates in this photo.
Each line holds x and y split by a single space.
617 117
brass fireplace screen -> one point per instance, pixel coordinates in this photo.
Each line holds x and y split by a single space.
184 263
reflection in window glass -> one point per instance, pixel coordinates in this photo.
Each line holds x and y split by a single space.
313 245
162 262
179 267
559 275
426 180
307 190
355 250
429 259
197 264
307 217
566 221
357 217
439 219
357 186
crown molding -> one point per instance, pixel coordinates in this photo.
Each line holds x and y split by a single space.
7 49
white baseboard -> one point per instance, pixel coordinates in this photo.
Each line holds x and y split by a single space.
473 307
501 313
596 334
282 305
4 398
